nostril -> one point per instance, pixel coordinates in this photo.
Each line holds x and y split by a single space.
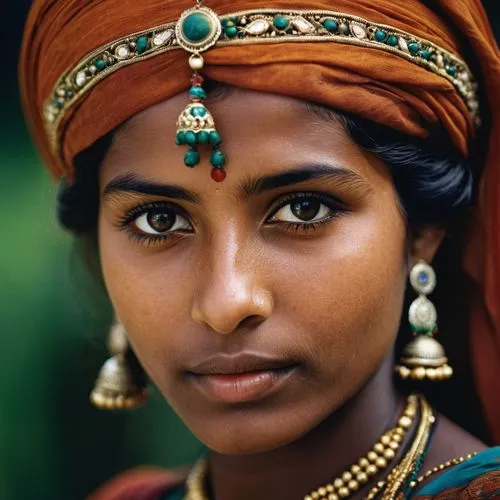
252 321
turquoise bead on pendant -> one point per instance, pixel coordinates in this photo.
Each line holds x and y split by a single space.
191 158
196 27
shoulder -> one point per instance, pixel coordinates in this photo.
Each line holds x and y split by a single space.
140 484
477 477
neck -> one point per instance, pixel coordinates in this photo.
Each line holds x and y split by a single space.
318 457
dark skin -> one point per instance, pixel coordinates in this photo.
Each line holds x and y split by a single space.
309 268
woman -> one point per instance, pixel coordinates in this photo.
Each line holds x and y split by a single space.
346 141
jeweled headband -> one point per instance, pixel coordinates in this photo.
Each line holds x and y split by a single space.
200 28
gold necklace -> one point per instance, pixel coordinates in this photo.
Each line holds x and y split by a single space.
394 485
376 460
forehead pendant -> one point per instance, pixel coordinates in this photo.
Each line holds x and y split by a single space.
197 30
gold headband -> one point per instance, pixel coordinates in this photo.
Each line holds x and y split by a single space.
200 28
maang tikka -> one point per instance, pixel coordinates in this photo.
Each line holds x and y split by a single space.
197 30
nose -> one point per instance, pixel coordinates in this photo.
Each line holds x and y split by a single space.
231 290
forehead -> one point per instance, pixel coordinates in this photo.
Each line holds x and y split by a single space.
262 134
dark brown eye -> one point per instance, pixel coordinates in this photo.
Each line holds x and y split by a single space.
161 221
305 210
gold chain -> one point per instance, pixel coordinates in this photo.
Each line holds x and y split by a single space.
376 460
440 468
393 486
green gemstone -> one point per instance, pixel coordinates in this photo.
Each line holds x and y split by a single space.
141 45
197 93
190 137
191 158
392 40
218 159
215 138
451 70
179 138
197 27
100 64
425 54
331 25
281 23
423 330
231 31
58 104
69 93
198 111
203 137
413 48
380 36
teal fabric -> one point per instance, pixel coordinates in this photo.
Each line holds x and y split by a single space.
464 473
176 494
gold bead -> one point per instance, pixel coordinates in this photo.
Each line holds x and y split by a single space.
333 496
344 492
371 470
400 431
322 491
385 440
418 373
410 412
372 456
353 485
362 478
393 445
381 462
378 448
364 463
346 477
431 373
329 488
405 422
308 497
315 495
338 483
447 371
396 438
355 469
403 372
389 454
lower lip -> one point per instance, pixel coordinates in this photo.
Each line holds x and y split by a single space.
242 387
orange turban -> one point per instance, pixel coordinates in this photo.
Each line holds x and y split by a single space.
376 84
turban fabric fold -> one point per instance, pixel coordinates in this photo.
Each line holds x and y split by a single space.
365 81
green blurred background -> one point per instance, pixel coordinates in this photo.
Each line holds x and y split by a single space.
53 321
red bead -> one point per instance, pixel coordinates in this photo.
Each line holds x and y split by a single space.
218 174
196 80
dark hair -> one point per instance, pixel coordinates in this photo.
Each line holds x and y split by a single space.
434 182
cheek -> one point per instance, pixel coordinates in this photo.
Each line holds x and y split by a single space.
149 293
348 293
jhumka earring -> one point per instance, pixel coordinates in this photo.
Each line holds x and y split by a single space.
199 29
121 383
424 357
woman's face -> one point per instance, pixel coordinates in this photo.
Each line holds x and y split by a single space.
260 304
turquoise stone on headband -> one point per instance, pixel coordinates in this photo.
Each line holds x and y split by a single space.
141 45
281 22
196 27
392 40
100 64
331 25
380 36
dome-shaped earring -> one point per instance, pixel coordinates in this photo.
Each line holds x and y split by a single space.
121 383
423 357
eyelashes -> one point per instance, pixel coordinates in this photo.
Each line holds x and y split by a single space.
160 222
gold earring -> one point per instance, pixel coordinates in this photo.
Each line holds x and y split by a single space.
423 357
121 382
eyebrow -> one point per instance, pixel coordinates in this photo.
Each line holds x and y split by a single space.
131 183
312 171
